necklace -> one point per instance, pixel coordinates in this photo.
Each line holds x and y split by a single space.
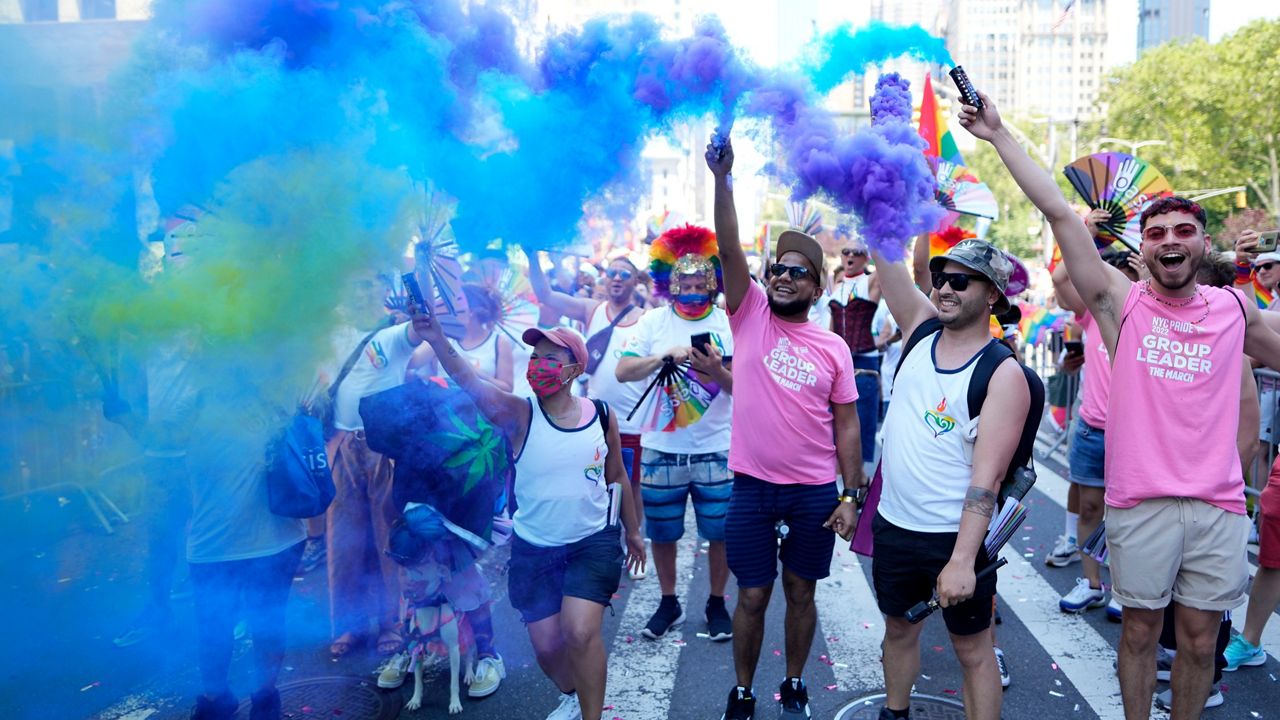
1146 289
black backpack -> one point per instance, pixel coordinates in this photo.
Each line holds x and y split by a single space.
1021 473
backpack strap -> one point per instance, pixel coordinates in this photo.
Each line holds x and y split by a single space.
602 412
992 355
922 331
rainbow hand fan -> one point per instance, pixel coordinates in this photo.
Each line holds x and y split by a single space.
805 217
509 279
682 398
960 191
1122 185
437 263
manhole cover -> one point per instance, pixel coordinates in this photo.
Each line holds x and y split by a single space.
923 707
334 698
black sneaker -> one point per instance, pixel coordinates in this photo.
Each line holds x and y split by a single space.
741 705
887 714
719 624
794 699
315 552
668 615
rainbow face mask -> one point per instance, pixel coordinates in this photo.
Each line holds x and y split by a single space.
692 306
545 376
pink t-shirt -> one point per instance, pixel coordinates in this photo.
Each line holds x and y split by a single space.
1097 375
1175 395
786 376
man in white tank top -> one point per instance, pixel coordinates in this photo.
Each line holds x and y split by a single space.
936 503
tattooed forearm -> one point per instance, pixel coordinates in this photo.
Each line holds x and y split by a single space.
980 501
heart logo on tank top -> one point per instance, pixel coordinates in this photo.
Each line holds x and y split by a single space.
939 422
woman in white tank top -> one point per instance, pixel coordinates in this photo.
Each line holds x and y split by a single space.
490 354
565 557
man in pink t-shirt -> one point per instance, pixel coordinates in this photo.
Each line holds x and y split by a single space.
794 420
1176 528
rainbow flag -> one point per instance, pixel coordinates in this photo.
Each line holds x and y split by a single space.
1261 295
933 128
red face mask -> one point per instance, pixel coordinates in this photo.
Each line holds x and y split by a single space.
545 376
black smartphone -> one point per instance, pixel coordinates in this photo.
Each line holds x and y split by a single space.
415 293
701 341
968 94
1074 347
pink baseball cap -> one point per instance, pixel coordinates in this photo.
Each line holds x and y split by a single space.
565 337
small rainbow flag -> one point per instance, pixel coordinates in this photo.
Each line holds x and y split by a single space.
933 128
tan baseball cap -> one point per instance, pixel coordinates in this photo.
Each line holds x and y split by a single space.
796 241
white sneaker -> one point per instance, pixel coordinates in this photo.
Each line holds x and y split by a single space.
569 708
1083 597
393 673
1115 613
490 672
1164 700
1004 668
1064 553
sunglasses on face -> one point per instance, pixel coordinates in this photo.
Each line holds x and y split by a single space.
612 274
1182 231
1266 266
797 272
958 281
853 252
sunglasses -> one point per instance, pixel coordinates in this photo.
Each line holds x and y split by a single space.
853 252
1182 231
797 272
1265 266
617 274
958 281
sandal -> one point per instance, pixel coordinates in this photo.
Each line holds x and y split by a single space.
345 643
390 642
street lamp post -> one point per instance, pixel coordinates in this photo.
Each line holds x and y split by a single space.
1133 144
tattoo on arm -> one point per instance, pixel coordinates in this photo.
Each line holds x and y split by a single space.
980 501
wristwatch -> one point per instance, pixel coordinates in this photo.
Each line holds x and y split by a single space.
857 496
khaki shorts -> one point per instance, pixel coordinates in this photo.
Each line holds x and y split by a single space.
1178 548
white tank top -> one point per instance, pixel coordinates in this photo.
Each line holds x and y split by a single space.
560 481
603 383
925 472
483 357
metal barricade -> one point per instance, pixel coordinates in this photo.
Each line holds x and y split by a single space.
1062 389
53 439
1268 430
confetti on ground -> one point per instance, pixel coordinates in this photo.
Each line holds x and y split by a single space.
777 697
1054 666
826 660
949 691
629 639
681 643
842 665
607 707
704 635
1077 709
63 580
1055 693
616 596
937 648
926 677
306 709
1058 683
777 653
832 687
833 638
91 686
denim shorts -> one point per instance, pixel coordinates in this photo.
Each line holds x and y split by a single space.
540 578
751 535
1086 454
667 480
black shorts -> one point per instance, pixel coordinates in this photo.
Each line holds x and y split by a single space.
540 578
750 531
905 569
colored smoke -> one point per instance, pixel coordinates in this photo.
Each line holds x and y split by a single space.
844 51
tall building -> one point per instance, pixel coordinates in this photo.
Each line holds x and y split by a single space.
1034 57
1160 21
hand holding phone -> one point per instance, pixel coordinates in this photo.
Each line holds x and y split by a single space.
701 341
414 291
1074 347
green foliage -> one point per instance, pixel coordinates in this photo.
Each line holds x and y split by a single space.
1218 107
1019 224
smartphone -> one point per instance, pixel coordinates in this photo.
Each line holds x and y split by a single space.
415 293
968 94
1267 241
701 341
1074 347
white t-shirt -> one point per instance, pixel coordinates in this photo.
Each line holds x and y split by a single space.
884 325
820 314
382 366
230 517
659 331
603 383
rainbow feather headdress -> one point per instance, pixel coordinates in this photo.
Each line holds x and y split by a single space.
684 250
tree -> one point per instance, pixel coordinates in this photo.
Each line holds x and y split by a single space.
1218 107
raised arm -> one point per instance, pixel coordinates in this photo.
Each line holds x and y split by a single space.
920 262
503 409
1102 288
1068 298
907 304
733 261
1261 339
575 308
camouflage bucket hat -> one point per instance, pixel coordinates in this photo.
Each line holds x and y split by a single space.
984 258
